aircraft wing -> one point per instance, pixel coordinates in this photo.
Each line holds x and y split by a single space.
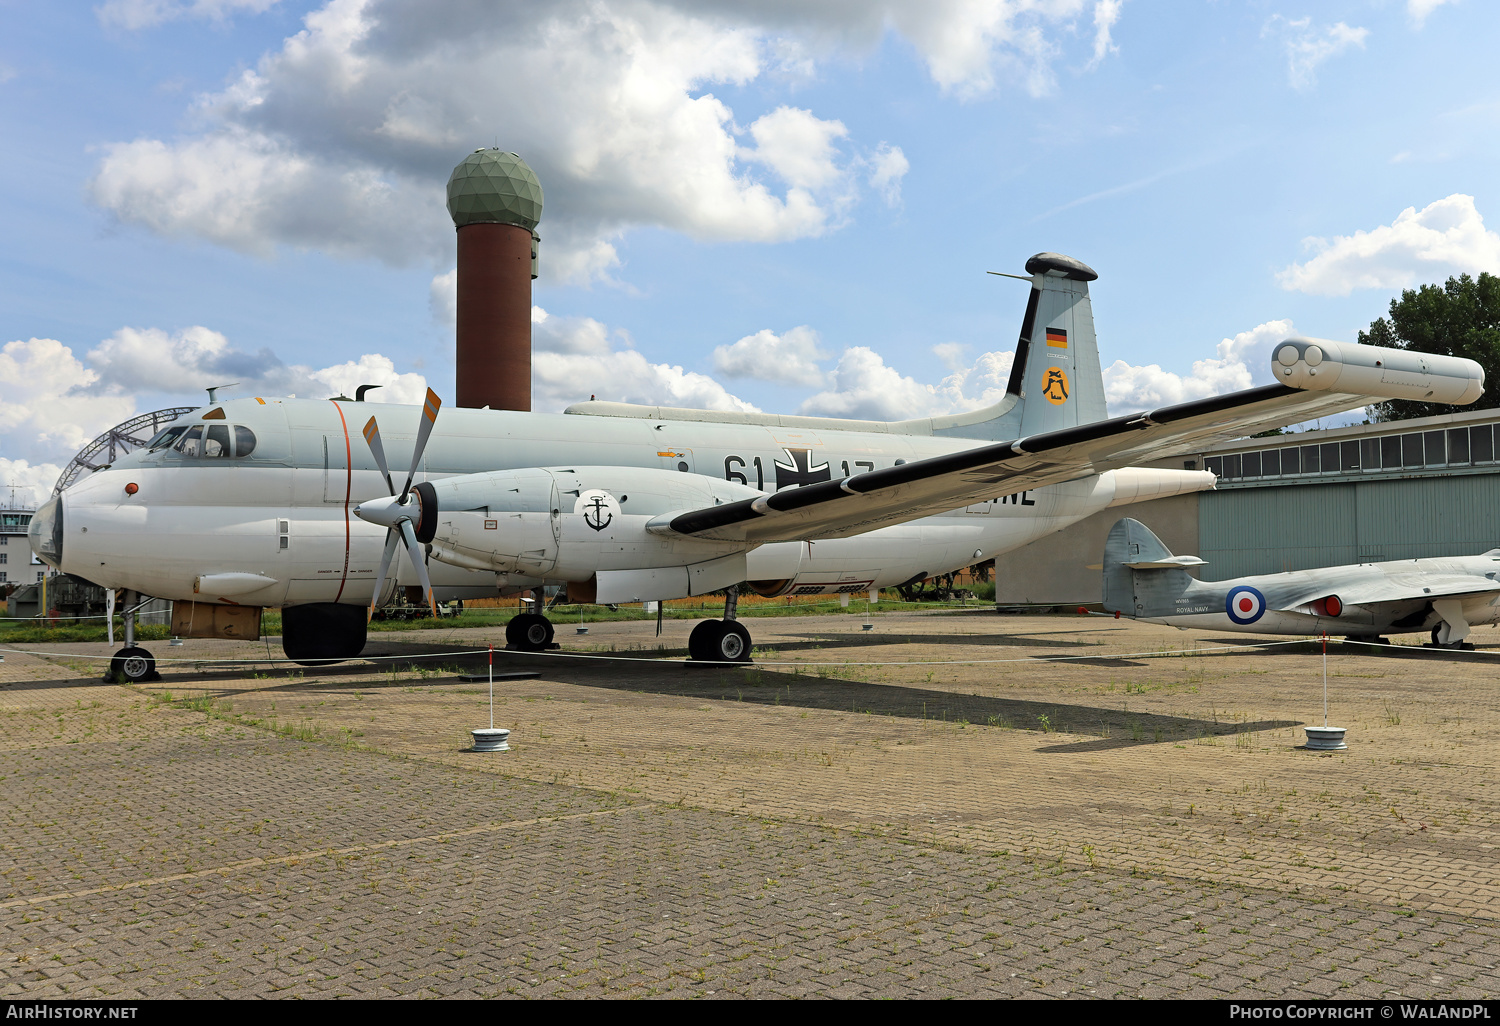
1413 586
879 498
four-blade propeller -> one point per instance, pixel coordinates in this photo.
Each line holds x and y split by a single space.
397 511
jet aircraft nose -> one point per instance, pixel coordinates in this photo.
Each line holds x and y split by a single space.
388 510
46 532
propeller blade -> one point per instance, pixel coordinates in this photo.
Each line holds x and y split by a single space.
391 538
417 559
372 438
424 431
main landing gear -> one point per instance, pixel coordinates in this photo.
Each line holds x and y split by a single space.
530 632
721 641
132 664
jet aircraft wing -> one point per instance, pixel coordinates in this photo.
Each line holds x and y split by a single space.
1412 586
891 495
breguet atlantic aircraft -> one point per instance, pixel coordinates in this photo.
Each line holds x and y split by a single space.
1447 596
286 502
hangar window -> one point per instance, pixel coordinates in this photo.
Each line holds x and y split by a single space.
1432 443
1369 453
1270 463
1310 462
1214 465
1290 464
1458 445
1349 457
1390 452
1232 465
1411 451
1250 464
1329 454
1481 444
244 441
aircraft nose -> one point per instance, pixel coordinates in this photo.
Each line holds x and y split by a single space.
46 532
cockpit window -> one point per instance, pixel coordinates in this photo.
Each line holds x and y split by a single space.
212 441
216 442
191 442
165 437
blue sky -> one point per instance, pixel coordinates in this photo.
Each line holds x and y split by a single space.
777 204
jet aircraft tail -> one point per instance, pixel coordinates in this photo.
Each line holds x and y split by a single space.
1141 576
1055 381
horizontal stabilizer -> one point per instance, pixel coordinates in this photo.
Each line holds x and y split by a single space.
1171 563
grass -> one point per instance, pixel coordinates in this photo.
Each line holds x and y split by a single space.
17 633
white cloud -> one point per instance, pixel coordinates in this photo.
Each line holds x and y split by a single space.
862 386
1443 237
1106 14
442 297
888 166
791 357
1420 9
1308 46
1238 363
574 358
45 412
27 482
341 140
139 14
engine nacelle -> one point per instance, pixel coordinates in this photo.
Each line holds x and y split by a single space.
583 524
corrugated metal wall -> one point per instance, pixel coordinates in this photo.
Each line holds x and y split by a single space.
1244 531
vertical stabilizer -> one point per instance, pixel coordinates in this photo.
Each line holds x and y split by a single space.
1055 380
1056 372
1141 576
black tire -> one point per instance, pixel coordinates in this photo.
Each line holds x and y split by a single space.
322 632
133 665
701 642
529 632
719 641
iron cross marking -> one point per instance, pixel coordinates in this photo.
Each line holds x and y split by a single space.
800 471
596 513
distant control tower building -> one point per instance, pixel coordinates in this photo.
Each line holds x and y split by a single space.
496 202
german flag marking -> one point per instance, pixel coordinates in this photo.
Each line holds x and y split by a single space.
1057 338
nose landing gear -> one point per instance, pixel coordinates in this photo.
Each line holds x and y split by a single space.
132 664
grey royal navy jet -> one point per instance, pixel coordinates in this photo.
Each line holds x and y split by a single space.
270 502
1446 595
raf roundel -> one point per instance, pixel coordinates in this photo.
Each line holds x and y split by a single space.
1244 605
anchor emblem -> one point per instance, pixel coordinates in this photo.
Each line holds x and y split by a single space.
596 513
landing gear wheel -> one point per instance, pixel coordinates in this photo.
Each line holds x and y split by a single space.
719 641
132 666
529 632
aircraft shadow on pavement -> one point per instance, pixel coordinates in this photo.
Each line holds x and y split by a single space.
813 641
1111 728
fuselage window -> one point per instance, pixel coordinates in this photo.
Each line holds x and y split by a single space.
244 441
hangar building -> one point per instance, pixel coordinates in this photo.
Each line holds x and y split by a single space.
1360 494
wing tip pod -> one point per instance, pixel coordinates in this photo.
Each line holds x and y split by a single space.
1316 364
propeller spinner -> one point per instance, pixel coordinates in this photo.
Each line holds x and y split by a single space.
396 512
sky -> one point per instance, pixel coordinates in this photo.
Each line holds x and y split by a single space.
781 205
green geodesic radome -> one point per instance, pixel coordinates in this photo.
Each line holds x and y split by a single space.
494 187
